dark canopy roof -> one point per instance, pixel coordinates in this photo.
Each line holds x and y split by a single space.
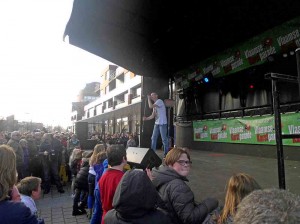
160 37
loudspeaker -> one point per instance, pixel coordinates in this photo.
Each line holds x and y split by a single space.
142 158
88 144
81 130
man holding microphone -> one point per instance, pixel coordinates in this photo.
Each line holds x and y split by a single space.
160 125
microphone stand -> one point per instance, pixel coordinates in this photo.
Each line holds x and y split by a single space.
144 116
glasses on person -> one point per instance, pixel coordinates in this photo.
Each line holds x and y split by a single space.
184 162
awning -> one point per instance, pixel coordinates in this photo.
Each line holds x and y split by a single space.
133 109
159 38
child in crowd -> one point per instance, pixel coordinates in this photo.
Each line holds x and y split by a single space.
30 189
238 186
116 157
11 211
81 186
100 167
75 163
92 176
135 201
131 142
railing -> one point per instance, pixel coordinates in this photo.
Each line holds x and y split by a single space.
240 112
112 76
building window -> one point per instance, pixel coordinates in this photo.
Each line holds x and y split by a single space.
136 91
99 109
120 98
112 85
110 103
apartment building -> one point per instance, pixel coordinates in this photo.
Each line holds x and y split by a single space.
118 106
85 96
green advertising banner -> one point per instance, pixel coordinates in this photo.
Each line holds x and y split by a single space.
282 39
250 130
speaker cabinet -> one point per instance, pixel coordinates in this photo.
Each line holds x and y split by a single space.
88 144
142 158
81 130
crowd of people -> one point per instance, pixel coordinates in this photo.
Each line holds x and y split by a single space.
105 187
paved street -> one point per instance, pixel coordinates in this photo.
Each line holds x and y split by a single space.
210 172
57 208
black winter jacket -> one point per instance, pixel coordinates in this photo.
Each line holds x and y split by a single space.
179 198
135 201
81 181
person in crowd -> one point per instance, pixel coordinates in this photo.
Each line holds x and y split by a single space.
14 142
178 198
15 194
269 206
72 143
81 187
58 146
11 211
160 125
2 138
25 169
131 142
63 140
136 139
37 136
92 176
100 167
30 189
35 165
135 201
116 157
75 164
238 186
49 152
64 158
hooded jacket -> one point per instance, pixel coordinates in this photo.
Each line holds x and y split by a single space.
81 180
178 198
135 201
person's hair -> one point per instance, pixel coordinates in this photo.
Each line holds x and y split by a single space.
29 184
23 141
174 155
46 137
14 133
115 154
269 206
8 172
76 154
238 186
87 154
98 148
100 157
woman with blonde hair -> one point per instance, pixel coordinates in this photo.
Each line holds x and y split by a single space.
178 198
238 186
92 176
10 211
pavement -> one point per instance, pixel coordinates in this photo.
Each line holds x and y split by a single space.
208 177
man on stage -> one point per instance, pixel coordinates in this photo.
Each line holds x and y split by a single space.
160 125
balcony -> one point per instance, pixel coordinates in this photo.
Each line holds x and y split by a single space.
136 99
121 104
112 76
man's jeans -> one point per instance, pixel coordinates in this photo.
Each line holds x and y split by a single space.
162 129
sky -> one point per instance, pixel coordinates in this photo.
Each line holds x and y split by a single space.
40 75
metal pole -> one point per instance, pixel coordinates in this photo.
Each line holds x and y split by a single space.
298 66
277 117
145 104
